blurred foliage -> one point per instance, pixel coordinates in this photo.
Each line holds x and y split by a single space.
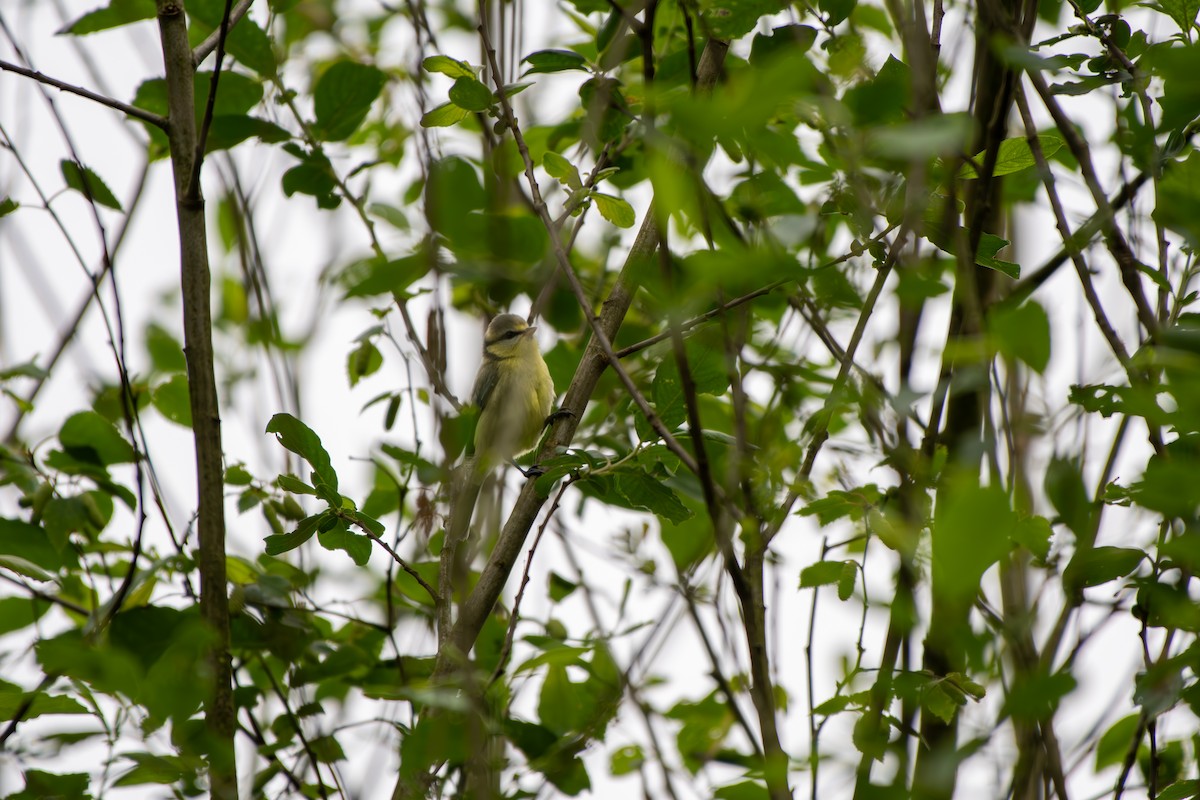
823 187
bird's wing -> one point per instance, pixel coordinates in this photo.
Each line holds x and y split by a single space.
485 383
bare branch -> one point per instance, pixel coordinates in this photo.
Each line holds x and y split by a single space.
206 47
130 111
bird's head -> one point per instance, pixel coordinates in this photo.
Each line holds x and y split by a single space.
507 335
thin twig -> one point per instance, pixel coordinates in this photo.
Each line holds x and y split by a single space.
206 47
404 565
193 186
514 616
49 598
822 432
130 111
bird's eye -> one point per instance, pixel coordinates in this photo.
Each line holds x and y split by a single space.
512 334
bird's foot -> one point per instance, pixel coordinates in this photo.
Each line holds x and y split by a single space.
534 471
555 416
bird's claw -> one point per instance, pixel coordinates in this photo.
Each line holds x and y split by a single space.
534 471
555 416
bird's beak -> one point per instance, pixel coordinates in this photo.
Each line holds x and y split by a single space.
529 330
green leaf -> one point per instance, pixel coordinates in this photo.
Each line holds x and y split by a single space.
668 397
370 523
563 769
46 786
869 737
278 544
1178 206
834 705
847 581
1098 565
626 760
729 19
743 790
7 206
1181 790
151 768
470 94
444 116
375 276
1066 492
1180 99
1169 483
941 703
83 180
1034 534
822 573
706 364
1183 12
363 361
86 513
236 95
449 66
164 349
553 61
327 749
1014 155
989 245
172 400
560 587
836 11
17 613
941 136
313 176
451 191
852 504
24 567
1115 743
644 492
764 195
31 543
972 529
1036 695
230 130
1022 333
299 438
91 438
688 542
558 167
615 210
559 701
357 546
114 15
290 483
343 97
12 697
29 369
884 98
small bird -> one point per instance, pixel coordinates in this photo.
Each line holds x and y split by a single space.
513 391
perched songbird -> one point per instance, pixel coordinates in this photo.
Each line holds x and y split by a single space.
513 392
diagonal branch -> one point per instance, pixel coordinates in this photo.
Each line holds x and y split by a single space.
125 108
478 605
210 43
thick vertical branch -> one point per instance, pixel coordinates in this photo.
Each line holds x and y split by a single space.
202 386
936 765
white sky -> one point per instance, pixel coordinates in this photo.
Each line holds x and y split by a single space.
41 283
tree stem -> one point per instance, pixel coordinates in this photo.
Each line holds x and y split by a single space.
220 713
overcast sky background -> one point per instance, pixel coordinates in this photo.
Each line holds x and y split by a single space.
42 283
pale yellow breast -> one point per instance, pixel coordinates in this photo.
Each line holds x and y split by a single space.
517 409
